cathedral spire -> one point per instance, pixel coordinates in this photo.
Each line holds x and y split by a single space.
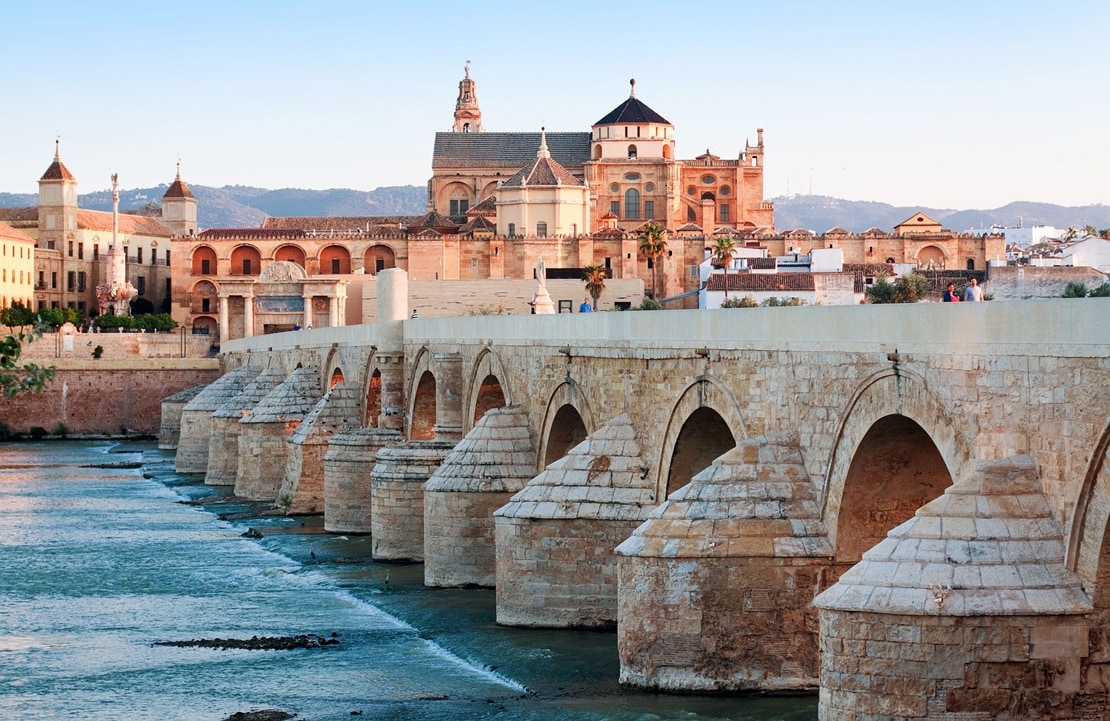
543 151
468 116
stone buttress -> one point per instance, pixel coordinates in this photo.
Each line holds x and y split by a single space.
264 432
304 471
966 610
555 538
397 497
196 418
716 587
169 431
223 438
484 470
347 467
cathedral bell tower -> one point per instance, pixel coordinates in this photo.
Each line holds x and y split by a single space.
57 204
468 116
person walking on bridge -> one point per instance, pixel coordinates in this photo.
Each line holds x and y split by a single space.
973 292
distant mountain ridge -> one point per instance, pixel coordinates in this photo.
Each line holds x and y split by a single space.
240 206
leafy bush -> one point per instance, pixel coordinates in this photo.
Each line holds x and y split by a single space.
649 304
783 302
37 433
745 302
1103 291
907 289
1075 289
98 352
60 430
17 316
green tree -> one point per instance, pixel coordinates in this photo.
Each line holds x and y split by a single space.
1103 291
15 377
1089 229
17 316
1104 233
745 302
594 276
906 289
722 255
653 244
1071 233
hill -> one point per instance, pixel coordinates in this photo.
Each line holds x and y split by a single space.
239 206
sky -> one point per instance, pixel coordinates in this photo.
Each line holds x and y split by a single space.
947 104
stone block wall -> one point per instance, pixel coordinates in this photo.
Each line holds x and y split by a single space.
263 453
1018 282
397 497
303 484
558 572
459 545
105 399
223 452
347 468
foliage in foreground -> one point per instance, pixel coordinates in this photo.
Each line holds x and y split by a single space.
162 321
772 302
15 377
907 289
1077 289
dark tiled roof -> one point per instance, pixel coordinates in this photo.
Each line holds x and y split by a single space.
690 228
874 232
762 263
17 214
869 268
249 233
542 171
507 150
477 224
7 232
837 232
132 224
740 282
632 111
437 221
487 208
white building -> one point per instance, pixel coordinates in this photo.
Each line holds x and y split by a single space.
1091 252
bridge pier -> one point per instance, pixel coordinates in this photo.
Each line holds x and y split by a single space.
223 438
347 467
484 470
169 432
966 609
303 484
555 538
716 586
263 450
196 418
397 497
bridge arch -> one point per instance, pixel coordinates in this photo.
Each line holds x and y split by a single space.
422 397
333 371
566 423
371 384
894 421
1088 552
488 388
703 425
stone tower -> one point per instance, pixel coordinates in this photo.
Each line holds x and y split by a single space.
57 204
179 207
468 116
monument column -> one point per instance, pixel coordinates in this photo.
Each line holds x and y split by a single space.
223 318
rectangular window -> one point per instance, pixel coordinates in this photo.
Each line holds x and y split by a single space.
42 279
71 249
615 207
167 290
649 209
205 305
141 284
96 251
693 271
140 251
724 213
71 280
246 266
81 306
459 207
80 251
167 259
54 280
81 281
474 263
512 230
205 267
335 265
541 230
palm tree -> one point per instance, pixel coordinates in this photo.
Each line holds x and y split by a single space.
1089 229
1071 233
594 275
653 243
722 255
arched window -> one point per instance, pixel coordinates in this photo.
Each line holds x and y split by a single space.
466 127
632 204
512 230
597 152
631 152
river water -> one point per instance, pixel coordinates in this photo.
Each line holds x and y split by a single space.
100 558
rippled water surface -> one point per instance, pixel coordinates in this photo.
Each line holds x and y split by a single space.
99 559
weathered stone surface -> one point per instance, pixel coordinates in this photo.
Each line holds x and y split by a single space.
263 434
347 468
170 431
716 586
555 537
397 497
196 418
303 484
967 608
223 438
479 476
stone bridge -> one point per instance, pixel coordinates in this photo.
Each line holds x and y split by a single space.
903 506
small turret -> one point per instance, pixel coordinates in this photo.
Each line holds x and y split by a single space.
468 116
57 203
179 207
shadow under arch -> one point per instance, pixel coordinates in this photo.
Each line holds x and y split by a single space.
332 367
1088 551
371 384
884 394
420 419
488 388
567 421
703 422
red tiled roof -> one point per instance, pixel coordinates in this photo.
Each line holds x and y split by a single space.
7 232
57 171
178 189
131 224
487 208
